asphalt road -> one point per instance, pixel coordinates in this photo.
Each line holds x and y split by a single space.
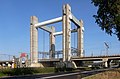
62 75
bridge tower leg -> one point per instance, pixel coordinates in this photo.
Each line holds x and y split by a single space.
80 31
52 43
66 26
33 40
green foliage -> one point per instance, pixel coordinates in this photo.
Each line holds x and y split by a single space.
1 74
64 69
86 68
44 70
25 71
5 71
115 61
88 62
61 67
108 16
22 71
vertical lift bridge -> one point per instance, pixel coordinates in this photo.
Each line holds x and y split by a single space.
66 19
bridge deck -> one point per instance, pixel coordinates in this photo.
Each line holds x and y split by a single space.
91 58
49 60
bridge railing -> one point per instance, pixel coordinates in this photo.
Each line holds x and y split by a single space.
5 57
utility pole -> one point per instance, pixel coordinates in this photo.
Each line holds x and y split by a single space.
92 54
107 47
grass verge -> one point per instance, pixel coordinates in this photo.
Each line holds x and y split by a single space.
25 71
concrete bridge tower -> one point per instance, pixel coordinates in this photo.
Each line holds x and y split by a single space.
66 19
34 40
80 32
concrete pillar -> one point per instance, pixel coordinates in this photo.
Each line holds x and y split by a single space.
80 31
52 43
106 64
66 33
105 60
33 40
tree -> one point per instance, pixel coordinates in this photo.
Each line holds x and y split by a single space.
115 61
108 16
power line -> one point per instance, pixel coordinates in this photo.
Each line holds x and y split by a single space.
107 47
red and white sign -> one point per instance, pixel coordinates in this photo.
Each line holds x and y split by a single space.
23 55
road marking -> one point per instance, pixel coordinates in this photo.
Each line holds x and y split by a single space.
59 75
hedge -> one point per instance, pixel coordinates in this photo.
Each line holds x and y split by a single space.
25 71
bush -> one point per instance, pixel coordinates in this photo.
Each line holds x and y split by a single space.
25 71
1 74
69 69
44 70
22 71
7 71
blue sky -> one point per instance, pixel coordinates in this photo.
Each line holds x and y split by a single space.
15 26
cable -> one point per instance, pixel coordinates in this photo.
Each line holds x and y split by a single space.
43 56
74 38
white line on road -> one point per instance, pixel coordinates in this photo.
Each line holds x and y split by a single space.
59 75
